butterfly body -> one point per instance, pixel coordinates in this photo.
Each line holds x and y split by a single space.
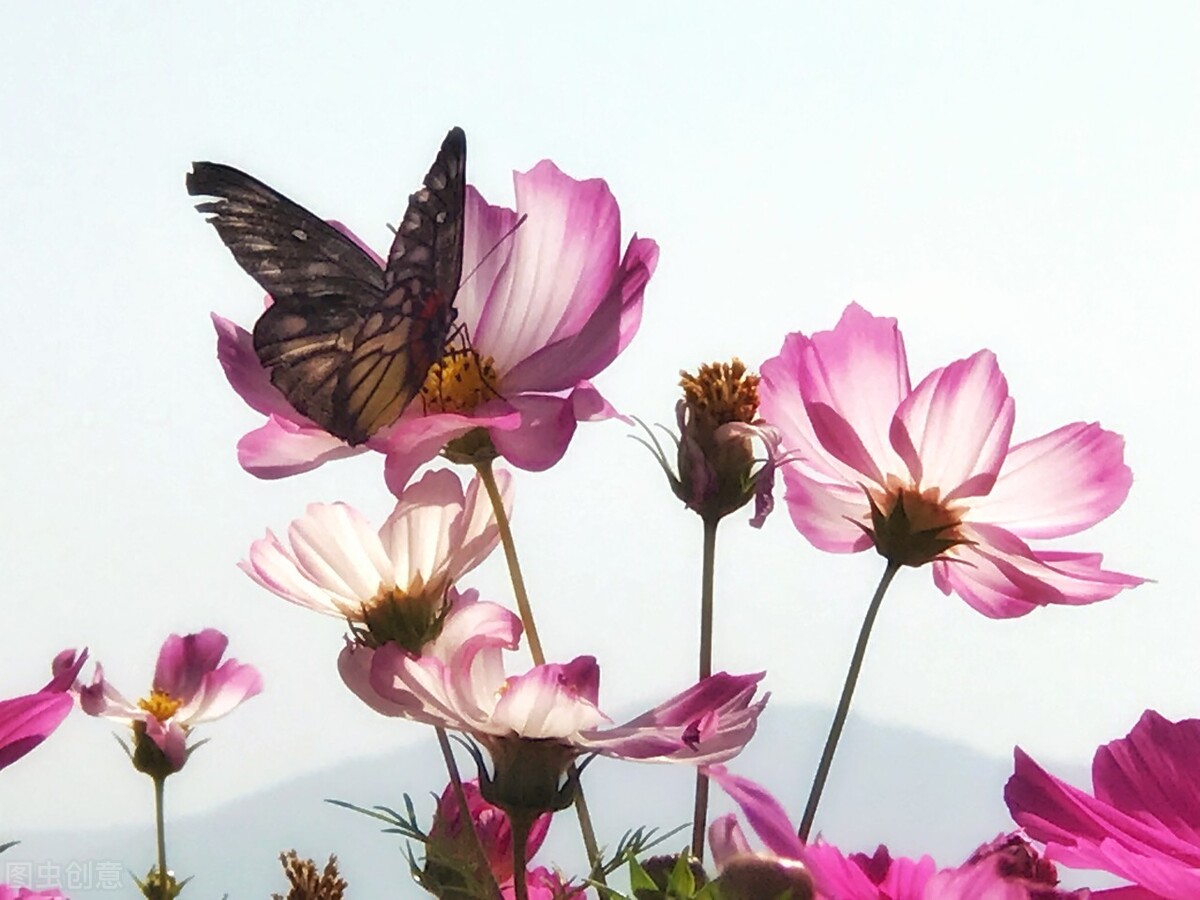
346 342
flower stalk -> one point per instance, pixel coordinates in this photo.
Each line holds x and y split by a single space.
843 707
707 567
160 831
525 610
464 810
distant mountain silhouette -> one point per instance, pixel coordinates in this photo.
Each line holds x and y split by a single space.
916 793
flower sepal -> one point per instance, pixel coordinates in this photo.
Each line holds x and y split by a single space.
528 776
155 887
915 530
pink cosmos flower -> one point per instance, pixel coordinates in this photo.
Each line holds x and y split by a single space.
1004 869
1142 819
450 845
447 837
928 474
545 307
14 892
550 712
191 686
392 582
28 720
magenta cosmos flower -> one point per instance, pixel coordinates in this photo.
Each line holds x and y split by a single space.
534 725
927 474
1004 869
451 847
15 892
191 686
28 720
1142 820
546 307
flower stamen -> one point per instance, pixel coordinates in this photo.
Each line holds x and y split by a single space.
160 704
459 382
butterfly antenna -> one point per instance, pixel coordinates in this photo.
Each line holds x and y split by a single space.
496 246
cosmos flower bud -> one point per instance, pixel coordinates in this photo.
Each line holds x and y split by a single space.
718 471
753 876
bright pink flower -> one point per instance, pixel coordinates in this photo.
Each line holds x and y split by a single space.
1004 869
546 307
550 711
928 473
1142 820
191 686
28 720
13 892
450 845
336 564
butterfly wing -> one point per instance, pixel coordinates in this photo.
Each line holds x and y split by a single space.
407 333
347 343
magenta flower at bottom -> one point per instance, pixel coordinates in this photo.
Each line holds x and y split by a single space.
1004 869
13 892
191 685
28 720
450 845
1142 820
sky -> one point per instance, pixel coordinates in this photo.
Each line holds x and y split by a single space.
1008 176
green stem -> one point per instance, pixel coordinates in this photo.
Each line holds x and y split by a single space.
708 565
843 708
160 828
520 825
488 477
464 809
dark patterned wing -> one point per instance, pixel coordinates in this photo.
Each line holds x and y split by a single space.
288 250
407 333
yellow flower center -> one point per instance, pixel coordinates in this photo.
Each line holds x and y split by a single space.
461 381
720 393
160 704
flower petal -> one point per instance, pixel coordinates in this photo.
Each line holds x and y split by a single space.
415 439
283 447
336 548
764 813
584 353
1003 577
953 430
857 373
552 700
184 662
27 721
1059 483
246 375
560 268
825 513
222 691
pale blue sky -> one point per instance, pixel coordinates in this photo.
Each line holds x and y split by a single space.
1005 176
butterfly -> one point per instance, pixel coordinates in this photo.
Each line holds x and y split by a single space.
347 343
